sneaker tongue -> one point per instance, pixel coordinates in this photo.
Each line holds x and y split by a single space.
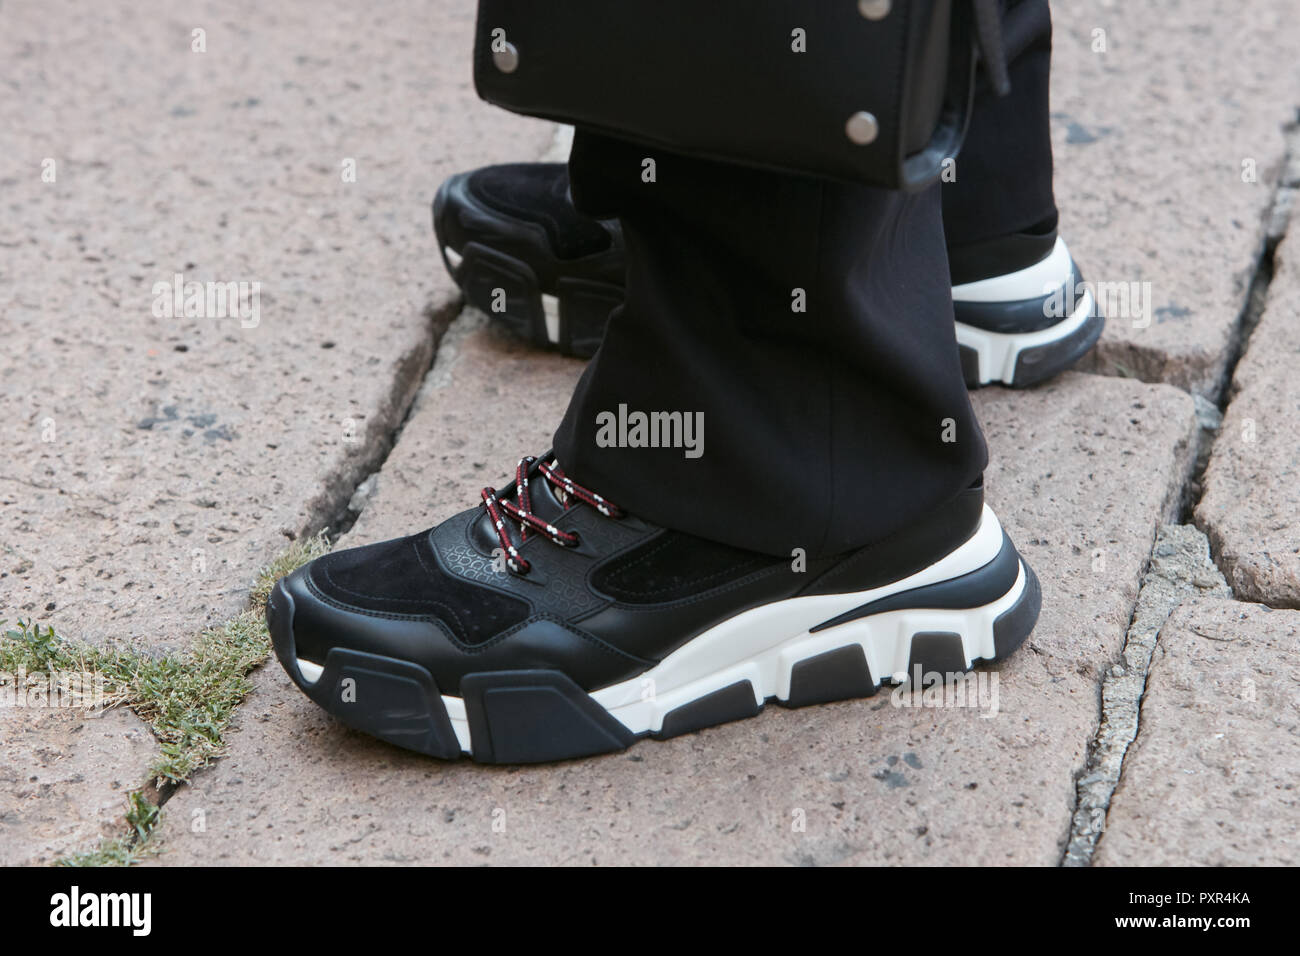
547 504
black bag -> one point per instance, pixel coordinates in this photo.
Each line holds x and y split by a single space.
874 91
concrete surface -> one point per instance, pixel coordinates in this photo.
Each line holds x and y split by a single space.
64 779
153 463
1212 779
1251 504
1085 469
1159 110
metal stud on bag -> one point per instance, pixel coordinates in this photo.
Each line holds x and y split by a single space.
862 128
901 66
505 57
874 9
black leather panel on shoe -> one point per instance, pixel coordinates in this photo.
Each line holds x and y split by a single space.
322 623
673 565
542 644
909 550
653 630
973 261
660 609
973 589
539 193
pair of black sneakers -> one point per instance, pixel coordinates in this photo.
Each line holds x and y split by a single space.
547 623
512 239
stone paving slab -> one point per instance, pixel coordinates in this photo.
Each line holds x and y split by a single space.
1150 140
153 463
466 429
65 778
151 470
1210 779
1250 508
1084 470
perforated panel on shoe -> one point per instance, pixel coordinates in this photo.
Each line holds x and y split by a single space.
675 565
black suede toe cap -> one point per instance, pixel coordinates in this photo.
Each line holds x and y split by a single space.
403 577
394 600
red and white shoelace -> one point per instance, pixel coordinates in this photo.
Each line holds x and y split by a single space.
499 509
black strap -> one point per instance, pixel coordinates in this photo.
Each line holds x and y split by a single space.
988 39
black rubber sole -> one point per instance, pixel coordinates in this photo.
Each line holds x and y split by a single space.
1038 364
537 716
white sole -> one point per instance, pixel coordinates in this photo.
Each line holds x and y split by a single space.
762 646
1043 277
998 353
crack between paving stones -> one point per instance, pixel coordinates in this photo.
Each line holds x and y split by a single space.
335 509
1210 414
1149 365
1182 563
1180 568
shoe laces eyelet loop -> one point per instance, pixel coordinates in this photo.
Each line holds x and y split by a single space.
521 511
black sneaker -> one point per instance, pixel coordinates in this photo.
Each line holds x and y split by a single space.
547 623
519 250
512 239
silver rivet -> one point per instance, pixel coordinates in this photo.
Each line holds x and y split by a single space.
874 9
862 128
506 58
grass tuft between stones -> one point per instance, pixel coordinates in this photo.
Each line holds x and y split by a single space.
187 698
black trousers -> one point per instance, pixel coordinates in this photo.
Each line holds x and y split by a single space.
806 324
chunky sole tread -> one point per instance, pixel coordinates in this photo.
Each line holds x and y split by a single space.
532 716
1024 359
